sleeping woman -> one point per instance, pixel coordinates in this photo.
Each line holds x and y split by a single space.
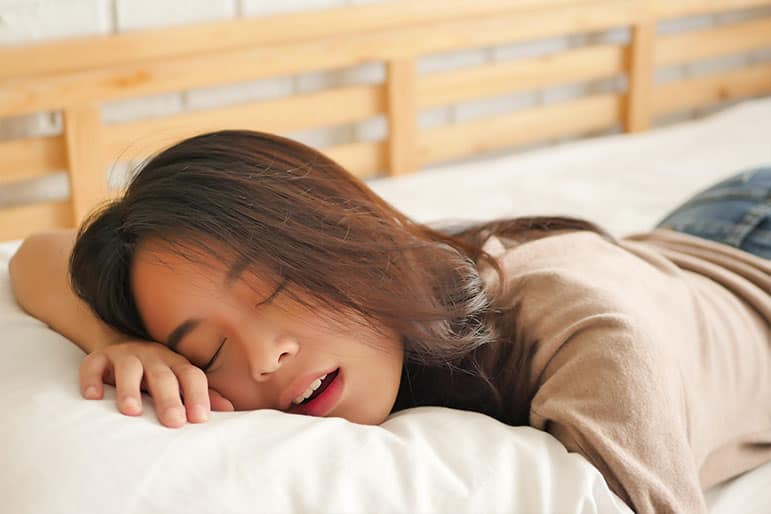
242 270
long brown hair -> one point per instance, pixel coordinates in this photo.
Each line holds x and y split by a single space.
286 206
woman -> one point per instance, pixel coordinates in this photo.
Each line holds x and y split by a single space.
242 270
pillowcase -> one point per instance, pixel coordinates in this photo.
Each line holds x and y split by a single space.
66 454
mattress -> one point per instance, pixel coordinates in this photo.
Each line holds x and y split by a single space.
64 454
624 182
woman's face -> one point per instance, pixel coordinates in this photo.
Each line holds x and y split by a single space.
260 348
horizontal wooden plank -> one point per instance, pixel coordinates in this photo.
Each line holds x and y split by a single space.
55 91
31 158
681 8
19 222
711 89
325 108
703 44
364 159
520 75
76 54
524 127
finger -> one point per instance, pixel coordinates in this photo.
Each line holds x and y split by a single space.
219 402
128 375
164 388
194 390
92 369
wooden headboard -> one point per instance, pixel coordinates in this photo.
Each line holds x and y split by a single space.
78 76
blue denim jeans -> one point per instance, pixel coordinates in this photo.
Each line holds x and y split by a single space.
736 212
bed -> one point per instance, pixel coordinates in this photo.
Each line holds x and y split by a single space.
64 454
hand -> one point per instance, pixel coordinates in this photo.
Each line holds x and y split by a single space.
135 366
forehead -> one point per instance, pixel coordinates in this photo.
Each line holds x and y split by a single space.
166 283
166 262
194 268
198 264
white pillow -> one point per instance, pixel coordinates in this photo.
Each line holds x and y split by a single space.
65 454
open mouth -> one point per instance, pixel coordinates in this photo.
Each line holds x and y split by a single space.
323 387
323 399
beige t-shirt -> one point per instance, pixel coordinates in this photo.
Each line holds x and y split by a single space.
652 358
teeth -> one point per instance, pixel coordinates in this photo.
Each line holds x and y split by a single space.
308 392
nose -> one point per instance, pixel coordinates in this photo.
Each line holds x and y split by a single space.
267 355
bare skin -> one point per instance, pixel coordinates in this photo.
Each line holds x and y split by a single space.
268 349
256 343
40 285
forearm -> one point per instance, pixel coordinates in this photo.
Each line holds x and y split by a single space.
40 283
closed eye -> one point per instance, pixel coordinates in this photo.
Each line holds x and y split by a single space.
214 357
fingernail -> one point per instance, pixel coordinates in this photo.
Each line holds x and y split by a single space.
175 415
198 413
90 392
131 403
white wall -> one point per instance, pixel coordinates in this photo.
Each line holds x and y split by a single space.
24 21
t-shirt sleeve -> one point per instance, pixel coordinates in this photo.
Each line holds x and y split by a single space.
611 394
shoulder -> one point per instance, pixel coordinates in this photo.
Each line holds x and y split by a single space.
568 266
564 250
579 297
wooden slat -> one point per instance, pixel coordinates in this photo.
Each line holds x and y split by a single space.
95 52
21 96
158 44
402 117
85 163
30 158
521 75
703 91
638 102
19 222
732 39
663 9
501 29
363 159
312 110
525 127
704 44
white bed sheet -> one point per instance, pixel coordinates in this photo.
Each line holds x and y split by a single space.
626 183
63 454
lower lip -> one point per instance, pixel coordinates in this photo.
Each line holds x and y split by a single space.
325 402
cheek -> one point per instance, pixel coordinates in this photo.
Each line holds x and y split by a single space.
374 389
380 371
238 389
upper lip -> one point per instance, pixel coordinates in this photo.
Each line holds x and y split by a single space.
299 385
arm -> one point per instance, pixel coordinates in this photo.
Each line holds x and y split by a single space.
39 279
40 282
608 386
604 371
604 398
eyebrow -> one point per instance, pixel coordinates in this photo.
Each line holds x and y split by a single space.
236 270
181 331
